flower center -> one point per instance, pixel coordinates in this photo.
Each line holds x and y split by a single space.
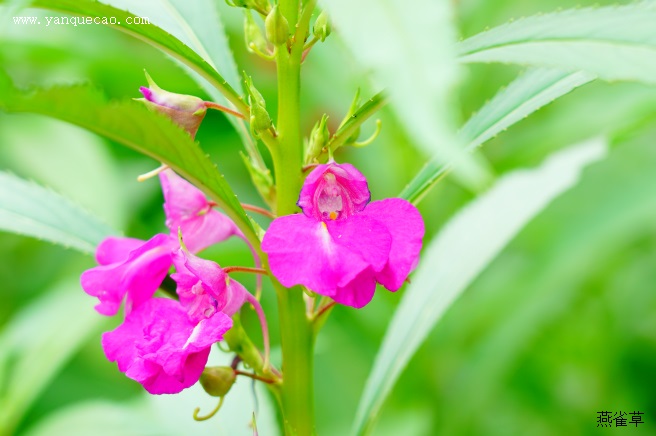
330 200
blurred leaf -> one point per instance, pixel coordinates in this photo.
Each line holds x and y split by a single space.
150 34
101 418
410 50
464 247
616 42
36 343
32 210
522 97
561 277
131 124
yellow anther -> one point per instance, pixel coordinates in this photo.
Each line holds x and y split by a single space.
333 215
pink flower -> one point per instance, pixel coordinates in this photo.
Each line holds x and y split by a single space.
161 347
340 247
204 288
128 267
187 209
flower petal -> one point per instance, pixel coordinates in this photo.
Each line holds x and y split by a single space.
113 249
159 346
406 226
138 276
359 291
324 256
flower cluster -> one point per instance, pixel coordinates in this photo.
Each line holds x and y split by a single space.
164 344
341 246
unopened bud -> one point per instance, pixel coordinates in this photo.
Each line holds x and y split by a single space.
217 380
253 94
260 119
318 138
277 27
186 111
322 27
255 41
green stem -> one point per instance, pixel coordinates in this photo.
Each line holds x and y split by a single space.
297 340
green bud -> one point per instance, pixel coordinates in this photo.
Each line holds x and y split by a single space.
322 27
254 95
260 119
255 41
318 139
277 27
259 5
217 380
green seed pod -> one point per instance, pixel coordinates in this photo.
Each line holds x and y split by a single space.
217 380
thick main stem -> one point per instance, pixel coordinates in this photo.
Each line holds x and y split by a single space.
297 394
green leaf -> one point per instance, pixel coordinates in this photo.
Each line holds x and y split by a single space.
615 43
131 124
37 343
152 35
464 247
32 210
534 89
410 51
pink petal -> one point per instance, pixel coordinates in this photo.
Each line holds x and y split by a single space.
359 291
187 209
114 249
138 276
406 226
159 346
334 189
324 256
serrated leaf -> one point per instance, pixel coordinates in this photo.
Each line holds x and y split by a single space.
32 210
410 51
525 95
615 42
150 34
461 251
129 123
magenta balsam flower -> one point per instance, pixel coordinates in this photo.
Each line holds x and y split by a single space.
341 246
188 210
160 346
128 267
204 288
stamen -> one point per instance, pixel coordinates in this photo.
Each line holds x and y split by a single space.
153 173
333 215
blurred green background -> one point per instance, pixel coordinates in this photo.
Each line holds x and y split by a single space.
559 327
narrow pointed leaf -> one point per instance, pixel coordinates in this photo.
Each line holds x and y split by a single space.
614 42
525 95
459 253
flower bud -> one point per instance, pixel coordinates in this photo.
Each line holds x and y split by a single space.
186 111
318 139
217 380
260 119
255 41
322 27
277 27
253 94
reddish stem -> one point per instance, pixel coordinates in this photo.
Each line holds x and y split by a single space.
218 107
245 269
259 210
255 376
